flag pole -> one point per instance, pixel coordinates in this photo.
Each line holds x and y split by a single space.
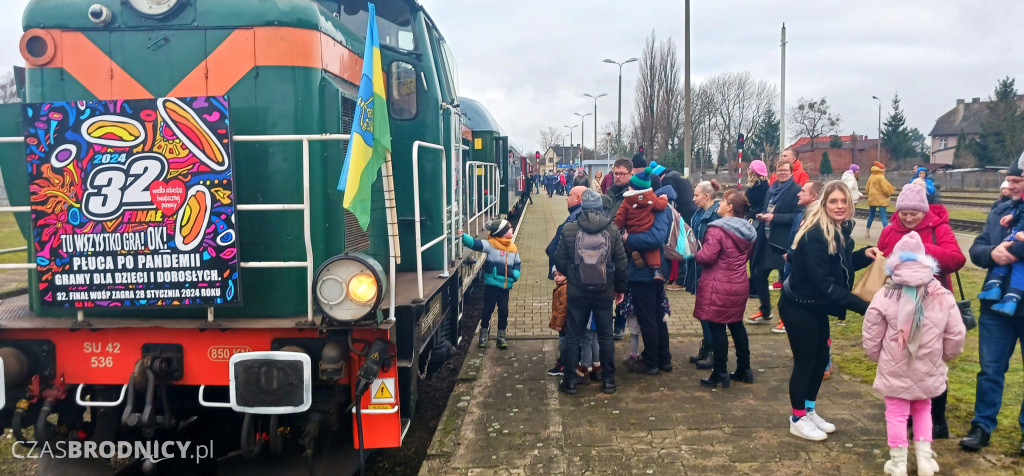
388 178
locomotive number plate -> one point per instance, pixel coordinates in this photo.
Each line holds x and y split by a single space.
223 353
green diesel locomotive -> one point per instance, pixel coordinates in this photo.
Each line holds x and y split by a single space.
330 322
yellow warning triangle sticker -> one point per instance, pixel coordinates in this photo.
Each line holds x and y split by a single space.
383 392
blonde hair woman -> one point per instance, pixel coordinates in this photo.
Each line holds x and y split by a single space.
823 263
595 183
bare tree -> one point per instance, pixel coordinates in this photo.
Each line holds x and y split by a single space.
549 136
736 103
8 89
606 139
813 118
657 120
646 102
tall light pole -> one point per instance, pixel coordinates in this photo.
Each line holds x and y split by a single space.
595 117
878 150
687 109
618 133
579 157
570 137
782 95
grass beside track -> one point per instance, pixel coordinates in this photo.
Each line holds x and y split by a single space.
848 354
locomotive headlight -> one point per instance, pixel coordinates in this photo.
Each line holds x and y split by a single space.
349 287
362 288
153 8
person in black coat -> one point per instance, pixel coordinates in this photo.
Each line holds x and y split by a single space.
684 203
823 264
757 188
772 235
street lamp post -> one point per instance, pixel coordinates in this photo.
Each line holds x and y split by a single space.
595 98
579 157
618 132
878 150
570 137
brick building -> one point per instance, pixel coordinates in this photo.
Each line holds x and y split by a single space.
856 149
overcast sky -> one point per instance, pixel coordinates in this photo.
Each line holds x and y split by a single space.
530 61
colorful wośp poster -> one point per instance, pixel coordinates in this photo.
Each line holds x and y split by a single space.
133 202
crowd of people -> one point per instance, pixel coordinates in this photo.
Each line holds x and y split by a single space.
608 263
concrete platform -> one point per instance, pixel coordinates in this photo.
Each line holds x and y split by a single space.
506 415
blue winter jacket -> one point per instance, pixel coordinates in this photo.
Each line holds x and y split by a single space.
574 212
654 237
501 269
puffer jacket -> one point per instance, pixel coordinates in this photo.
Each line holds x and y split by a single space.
559 307
879 189
723 287
501 268
821 280
653 238
928 181
637 211
591 221
938 238
990 237
850 180
922 374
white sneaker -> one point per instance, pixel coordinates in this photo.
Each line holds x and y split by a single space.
806 429
820 422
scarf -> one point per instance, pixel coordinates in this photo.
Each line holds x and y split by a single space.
776 189
503 244
909 316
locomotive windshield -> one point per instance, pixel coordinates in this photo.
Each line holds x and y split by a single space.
394 20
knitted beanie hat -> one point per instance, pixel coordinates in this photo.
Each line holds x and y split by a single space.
657 168
1005 184
498 227
912 197
642 180
639 161
1016 168
591 200
759 168
854 168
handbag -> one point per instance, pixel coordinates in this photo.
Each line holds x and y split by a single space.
871 281
966 313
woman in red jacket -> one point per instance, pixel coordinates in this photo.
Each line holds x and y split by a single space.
723 287
931 222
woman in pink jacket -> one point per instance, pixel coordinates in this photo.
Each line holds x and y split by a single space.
723 287
912 328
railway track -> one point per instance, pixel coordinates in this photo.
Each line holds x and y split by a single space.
966 226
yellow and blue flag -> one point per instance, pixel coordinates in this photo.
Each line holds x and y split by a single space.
370 144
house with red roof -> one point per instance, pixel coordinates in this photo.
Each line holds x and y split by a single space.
855 149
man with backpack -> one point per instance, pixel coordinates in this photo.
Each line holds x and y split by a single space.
591 256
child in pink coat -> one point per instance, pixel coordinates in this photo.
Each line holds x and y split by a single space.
912 328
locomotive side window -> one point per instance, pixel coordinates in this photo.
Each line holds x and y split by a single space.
394 21
451 68
402 90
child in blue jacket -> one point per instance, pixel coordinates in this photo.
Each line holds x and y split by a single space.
500 270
